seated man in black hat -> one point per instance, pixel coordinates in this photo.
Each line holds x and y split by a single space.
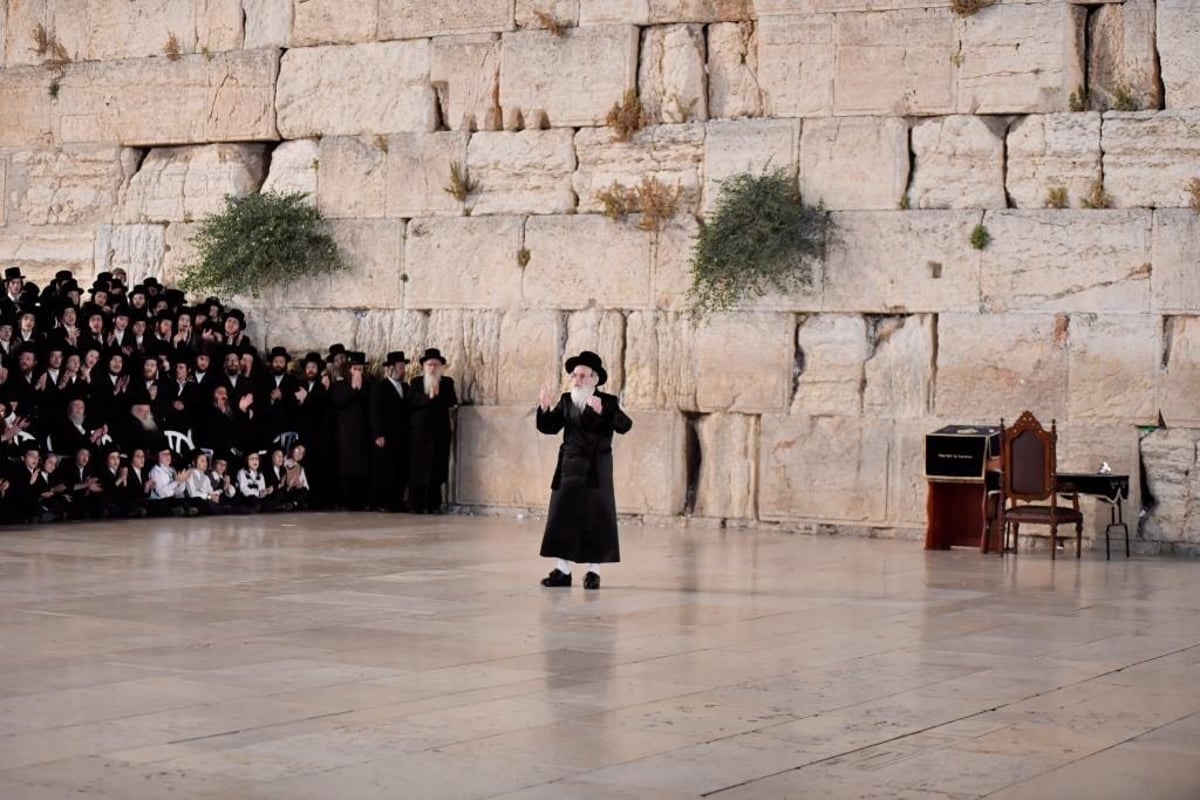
389 435
84 489
431 400
581 525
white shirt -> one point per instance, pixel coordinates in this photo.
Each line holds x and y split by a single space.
251 484
198 485
165 485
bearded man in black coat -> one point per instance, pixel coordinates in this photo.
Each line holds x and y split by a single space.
348 398
431 399
389 435
581 525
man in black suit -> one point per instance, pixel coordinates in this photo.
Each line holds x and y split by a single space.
431 400
388 417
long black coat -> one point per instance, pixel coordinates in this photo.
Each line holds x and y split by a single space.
429 432
581 525
353 459
389 464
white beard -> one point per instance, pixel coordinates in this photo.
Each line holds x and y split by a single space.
580 395
148 424
432 384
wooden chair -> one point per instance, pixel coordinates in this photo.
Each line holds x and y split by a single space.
1028 457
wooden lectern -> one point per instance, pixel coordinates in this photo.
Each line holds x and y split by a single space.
957 461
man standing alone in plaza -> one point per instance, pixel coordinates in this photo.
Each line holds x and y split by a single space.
581 525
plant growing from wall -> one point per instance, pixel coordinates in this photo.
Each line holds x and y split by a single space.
653 199
1056 197
627 117
1123 99
460 186
1193 190
1079 100
1097 197
980 238
172 49
47 46
761 237
551 23
965 8
260 240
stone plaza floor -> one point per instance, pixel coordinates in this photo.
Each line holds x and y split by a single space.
360 656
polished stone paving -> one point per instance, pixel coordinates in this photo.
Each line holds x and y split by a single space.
375 656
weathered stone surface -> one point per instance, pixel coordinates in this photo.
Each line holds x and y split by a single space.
533 13
352 176
658 368
1067 261
465 72
583 260
824 468
409 19
3 38
655 446
832 349
673 155
41 252
178 251
1052 150
1177 33
958 163
219 25
65 186
197 98
614 12
795 57
898 371
113 29
1020 59
501 460
527 172
303 329
671 80
335 90
728 484
671 262
294 168
1121 55
1175 282
138 249
318 22
549 79
854 162
529 356
1149 157
186 183
418 172
382 330
734 147
465 262
996 365
902 261
602 332
470 341
907 488
895 62
733 87
1113 366
23 93
373 249
1172 460
1179 383
268 23
649 12
3 190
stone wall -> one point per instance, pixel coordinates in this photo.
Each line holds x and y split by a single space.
912 124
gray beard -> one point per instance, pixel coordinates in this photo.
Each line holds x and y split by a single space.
580 395
432 384
148 424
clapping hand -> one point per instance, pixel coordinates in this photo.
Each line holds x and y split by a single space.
545 398
593 403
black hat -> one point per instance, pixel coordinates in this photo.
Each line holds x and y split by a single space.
335 350
89 310
30 444
313 357
277 352
175 297
212 301
238 314
433 354
139 289
357 357
6 319
181 356
114 351
588 359
105 276
149 281
121 311
12 273
63 275
395 357
137 394
100 286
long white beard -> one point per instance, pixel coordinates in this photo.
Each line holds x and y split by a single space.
432 384
580 395
148 424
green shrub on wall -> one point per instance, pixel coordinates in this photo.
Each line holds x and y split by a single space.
260 240
761 237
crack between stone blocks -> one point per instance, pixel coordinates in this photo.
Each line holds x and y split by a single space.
931 388
1168 340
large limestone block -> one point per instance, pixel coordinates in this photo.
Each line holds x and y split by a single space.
1177 34
649 12
671 77
409 19
602 332
907 487
1175 282
1067 261
895 62
3 40
1052 150
138 249
831 351
156 101
41 252
614 12
317 22
902 261
1020 59
352 176
536 13
179 251
854 162
268 23
189 183
336 90
673 155
470 341
24 93
727 484
304 329
548 80
220 25
115 29
997 365
294 167
958 162
69 185
418 173
1179 383
649 471
381 331
823 468
373 250
1121 55
525 172
796 58
500 458
465 71
898 371
463 262
733 87
577 261
671 262
1171 457
3 190
529 356
1113 366
1150 158
750 145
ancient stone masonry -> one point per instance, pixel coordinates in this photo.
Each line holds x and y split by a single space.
1070 131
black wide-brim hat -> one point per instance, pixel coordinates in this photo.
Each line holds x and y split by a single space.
335 350
279 352
356 357
12 273
433 354
588 359
395 357
313 357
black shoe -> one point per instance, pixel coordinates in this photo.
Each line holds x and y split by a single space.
591 581
557 578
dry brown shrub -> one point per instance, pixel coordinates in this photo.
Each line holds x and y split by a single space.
654 200
1097 197
627 117
965 8
551 23
171 49
1056 197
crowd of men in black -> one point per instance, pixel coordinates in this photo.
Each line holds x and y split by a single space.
132 402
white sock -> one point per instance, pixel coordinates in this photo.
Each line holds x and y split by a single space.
594 568
564 566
